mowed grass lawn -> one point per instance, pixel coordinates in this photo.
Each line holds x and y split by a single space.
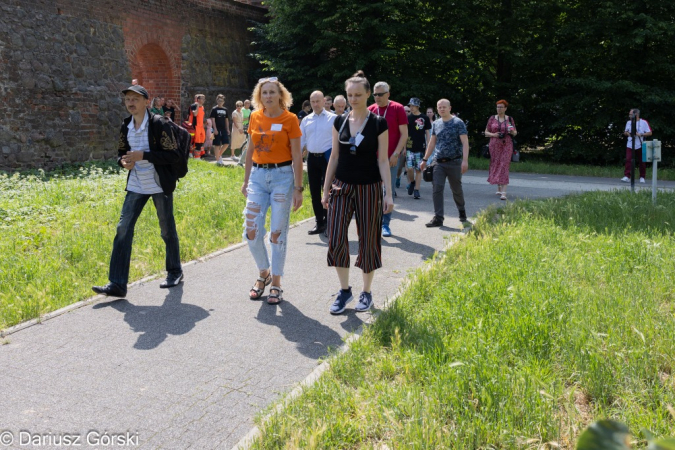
56 231
549 315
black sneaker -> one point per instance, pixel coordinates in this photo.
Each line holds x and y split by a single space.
417 195
411 188
462 216
435 222
365 302
111 290
171 281
341 299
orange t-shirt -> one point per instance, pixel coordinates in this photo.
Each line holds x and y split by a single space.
271 137
200 133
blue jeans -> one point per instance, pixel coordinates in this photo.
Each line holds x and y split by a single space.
269 188
121 253
386 218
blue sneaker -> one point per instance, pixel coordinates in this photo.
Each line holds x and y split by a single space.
411 188
365 302
398 182
341 300
386 232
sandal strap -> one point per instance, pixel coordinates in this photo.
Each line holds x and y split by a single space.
276 288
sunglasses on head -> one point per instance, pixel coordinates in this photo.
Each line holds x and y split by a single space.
268 79
379 94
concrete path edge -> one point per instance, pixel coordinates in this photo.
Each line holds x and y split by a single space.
255 432
66 309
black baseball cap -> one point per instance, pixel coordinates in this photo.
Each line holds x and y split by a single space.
138 89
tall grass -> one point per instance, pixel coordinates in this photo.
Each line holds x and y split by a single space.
56 231
551 314
535 166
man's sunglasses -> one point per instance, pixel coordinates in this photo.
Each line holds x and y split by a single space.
352 144
379 94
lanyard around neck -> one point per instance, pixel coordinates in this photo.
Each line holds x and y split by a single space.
363 125
385 110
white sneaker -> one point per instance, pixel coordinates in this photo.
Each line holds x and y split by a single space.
625 180
642 180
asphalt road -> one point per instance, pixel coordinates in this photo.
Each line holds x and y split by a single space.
190 367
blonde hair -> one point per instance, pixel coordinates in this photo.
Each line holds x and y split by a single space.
285 97
239 103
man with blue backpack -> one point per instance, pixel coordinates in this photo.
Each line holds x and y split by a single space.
152 149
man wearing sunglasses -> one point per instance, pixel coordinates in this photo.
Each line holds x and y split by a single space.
397 121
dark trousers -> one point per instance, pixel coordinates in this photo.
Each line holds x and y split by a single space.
131 210
316 174
638 162
452 170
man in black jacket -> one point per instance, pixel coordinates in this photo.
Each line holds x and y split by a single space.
148 150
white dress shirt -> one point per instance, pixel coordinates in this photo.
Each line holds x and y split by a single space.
317 132
143 178
642 126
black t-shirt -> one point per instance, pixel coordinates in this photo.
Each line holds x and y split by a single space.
417 126
302 114
220 114
361 167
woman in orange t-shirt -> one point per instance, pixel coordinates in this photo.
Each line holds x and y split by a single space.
273 178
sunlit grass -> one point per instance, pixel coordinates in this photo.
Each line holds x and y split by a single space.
56 231
549 315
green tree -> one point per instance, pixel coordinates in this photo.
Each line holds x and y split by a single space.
571 69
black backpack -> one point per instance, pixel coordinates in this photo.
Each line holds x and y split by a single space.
183 142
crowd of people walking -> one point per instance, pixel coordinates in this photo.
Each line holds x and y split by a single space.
355 153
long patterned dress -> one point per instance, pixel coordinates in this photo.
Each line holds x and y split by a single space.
500 151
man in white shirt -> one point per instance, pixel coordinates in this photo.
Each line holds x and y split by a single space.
642 130
148 150
317 142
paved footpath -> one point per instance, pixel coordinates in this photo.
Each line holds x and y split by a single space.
190 367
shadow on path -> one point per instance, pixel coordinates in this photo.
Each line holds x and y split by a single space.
408 246
155 323
311 337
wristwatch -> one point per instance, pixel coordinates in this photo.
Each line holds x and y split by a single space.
425 160
299 188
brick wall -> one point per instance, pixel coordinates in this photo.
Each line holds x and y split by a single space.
63 63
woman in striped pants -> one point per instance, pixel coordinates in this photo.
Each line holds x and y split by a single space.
357 171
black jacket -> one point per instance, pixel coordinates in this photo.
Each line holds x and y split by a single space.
163 150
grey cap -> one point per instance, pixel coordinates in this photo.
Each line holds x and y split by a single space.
414 102
138 89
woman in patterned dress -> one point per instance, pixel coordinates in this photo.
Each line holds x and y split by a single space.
501 129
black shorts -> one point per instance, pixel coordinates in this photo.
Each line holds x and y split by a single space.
221 138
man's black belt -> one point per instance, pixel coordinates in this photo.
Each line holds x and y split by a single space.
273 166
442 160
318 155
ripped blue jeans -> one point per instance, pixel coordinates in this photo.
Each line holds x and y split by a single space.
268 189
